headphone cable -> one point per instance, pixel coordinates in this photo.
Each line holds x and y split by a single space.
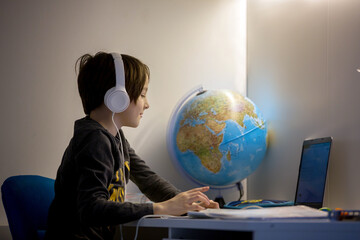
122 154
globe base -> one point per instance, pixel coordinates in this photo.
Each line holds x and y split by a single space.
220 201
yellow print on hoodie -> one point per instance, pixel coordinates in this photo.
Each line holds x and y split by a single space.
117 193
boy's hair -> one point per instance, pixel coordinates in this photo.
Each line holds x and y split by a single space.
97 75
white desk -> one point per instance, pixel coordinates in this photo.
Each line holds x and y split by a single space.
187 228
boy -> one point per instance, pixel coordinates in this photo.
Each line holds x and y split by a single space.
91 181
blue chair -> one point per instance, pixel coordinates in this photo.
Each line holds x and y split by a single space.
26 200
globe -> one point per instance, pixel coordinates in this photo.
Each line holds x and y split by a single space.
217 137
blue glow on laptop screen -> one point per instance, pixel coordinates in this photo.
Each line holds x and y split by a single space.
312 174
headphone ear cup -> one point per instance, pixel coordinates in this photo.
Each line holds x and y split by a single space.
117 100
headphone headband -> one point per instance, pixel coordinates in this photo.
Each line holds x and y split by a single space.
119 70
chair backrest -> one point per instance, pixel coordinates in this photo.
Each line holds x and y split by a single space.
26 200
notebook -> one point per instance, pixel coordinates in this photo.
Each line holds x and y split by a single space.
311 181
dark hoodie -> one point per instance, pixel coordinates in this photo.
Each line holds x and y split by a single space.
89 186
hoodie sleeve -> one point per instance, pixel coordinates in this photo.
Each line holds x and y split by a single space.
96 168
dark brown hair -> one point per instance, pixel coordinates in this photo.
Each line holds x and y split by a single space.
97 75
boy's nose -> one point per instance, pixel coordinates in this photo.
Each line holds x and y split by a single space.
146 105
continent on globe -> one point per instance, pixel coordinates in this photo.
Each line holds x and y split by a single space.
218 137
207 150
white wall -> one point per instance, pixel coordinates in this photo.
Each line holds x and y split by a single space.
184 42
303 57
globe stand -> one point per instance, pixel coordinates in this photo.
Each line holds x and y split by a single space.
220 201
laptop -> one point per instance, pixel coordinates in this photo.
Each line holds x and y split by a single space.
313 168
311 180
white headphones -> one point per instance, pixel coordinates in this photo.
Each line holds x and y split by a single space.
116 98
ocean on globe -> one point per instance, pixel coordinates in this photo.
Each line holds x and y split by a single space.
217 137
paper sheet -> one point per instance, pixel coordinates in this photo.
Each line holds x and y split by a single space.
287 212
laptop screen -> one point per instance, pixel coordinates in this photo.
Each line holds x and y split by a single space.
312 172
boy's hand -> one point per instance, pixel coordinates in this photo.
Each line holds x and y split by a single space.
192 200
212 205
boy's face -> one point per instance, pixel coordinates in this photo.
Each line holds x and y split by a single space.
133 114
